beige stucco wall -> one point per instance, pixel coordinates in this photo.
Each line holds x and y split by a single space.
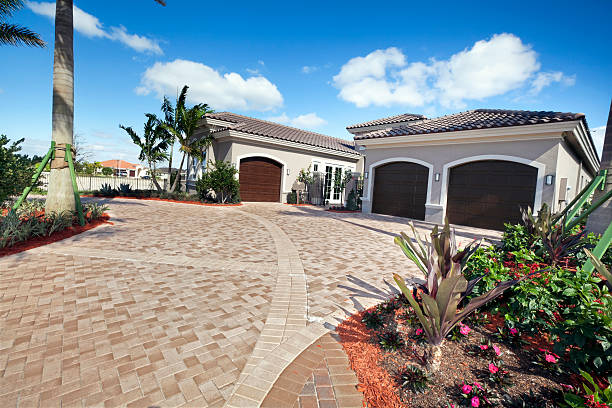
541 153
570 167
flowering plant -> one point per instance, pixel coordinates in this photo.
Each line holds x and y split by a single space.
475 395
497 374
593 397
488 351
549 361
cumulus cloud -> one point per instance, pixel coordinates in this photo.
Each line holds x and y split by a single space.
544 79
490 67
206 85
90 26
306 121
309 69
599 134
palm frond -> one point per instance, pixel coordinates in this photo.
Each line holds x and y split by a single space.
8 7
162 2
13 34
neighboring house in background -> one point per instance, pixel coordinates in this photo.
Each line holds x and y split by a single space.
476 167
269 156
164 174
122 168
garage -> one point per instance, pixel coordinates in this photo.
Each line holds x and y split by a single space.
260 179
486 194
400 188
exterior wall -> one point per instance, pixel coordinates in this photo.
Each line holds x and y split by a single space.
541 153
571 168
292 160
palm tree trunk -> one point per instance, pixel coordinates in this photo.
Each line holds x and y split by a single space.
170 165
178 175
153 177
601 218
60 195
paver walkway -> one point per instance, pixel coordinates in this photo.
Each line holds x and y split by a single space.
184 305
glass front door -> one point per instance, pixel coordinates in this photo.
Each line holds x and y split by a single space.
331 190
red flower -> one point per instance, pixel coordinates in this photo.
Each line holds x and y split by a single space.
493 368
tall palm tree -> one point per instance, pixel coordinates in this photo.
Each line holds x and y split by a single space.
60 196
601 218
170 120
182 127
153 145
14 34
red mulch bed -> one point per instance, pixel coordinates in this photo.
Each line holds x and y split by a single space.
169 200
375 367
57 236
298 205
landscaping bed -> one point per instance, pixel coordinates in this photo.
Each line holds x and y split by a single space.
29 227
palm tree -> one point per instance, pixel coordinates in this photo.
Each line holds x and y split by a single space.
601 218
182 124
13 34
153 145
60 196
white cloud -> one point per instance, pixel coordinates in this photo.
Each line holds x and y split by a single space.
544 79
490 67
306 121
90 26
309 69
206 85
599 134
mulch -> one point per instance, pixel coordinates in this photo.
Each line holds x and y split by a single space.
375 368
57 236
168 200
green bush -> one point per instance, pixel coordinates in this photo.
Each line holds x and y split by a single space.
107 171
515 238
219 178
16 170
292 197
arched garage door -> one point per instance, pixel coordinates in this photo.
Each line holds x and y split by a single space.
488 193
400 188
260 179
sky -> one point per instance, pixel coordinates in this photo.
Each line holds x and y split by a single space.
315 65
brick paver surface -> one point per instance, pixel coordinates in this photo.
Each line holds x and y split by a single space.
165 307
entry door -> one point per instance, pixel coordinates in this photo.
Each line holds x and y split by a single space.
332 191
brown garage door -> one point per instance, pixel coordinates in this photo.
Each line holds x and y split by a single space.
260 179
488 193
400 188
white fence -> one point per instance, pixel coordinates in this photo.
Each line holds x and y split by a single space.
90 183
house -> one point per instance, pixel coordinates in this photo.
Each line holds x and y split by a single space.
475 167
269 156
122 168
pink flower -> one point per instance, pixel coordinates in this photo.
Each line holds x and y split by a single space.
475 401
466 389
493 368
484 347
513 331
464 329
477 385
497 350
550 358
419 331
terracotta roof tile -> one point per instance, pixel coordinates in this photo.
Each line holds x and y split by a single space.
277 131
404 117
474 119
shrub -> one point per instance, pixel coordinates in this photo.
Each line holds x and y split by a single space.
593 396
107 171
515 238
16 169
372 320
390 340
292 197
219 178
412 378
107 191
125 189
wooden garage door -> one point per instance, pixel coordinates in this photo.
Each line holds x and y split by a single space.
400 188
260 179
488 193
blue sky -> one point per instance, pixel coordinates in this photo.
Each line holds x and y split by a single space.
315 65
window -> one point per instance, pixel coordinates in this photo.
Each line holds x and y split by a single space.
337 175
315 167
328 181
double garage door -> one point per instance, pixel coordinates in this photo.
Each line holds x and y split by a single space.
483 194
260 179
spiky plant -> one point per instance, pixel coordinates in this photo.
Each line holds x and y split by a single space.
390 340
600 268
372 320
445 286
412 378
13 34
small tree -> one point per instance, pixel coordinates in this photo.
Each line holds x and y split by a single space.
220 178
107 171
16 170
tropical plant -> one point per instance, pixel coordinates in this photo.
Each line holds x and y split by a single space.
600 268
16 170
60 196
59 221
219 178
125 189
593 395
153 144
559 243
292 197
181 122
94 211
107 191
515 238
372 320
305 176
390 340
412 378
445 287
13 34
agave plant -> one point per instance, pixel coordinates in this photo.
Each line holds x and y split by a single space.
445 286
107 190
125 189
600 268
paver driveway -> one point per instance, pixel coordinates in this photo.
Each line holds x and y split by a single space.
179 304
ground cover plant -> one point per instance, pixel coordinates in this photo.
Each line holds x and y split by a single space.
539 336
30 222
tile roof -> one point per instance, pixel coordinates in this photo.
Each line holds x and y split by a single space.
475 119
404 117
118 164
277 131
